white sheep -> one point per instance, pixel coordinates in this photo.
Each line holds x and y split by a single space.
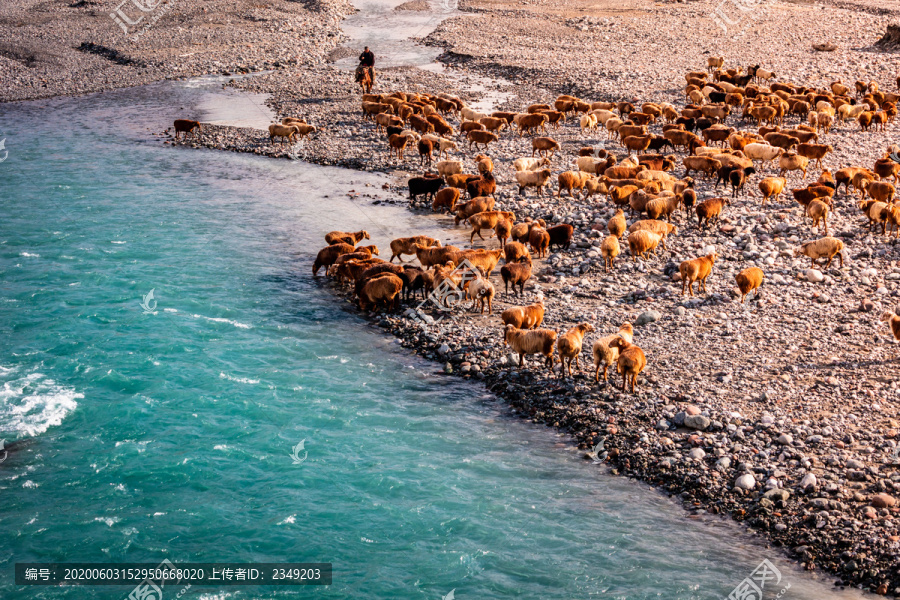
588 164
470 115
537 179
762 152
446 168
588 122
823 247
529 164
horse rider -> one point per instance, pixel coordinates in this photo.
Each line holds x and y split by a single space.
366 61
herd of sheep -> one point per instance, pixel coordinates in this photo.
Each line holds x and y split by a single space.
712 129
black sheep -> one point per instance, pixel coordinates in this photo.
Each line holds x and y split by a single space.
428 185
561 235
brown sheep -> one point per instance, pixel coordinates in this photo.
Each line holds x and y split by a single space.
865 120
484 259
689 200
890 318
874 211
433 256
522 231
772 187
472 207
539 240
461 180
623 172
887 168
531 122
820 248
892 218
285 132
709 210
657 162
702 164
493 123
186 126
539 341
748 280
663 206
524 317
470 126
570 180
328 255
696 269
636 143
485 185
681 139
717 134
401 246
845 177
484 163
487 220
352 269
396 143
503 230
627 130
554 117
818 211
362 255
543 145
515 251
861 182
481 138
814 152
441 127
660 228
353 238
561 235
446 198
516 273
621 195
610 249
640 242
880 191
375 271
482 292
384 289
568 345
631 361
426 150
604 355
415 279
617 224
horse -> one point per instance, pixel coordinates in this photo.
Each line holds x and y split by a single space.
366 79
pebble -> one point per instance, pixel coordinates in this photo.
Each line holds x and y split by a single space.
698 422
808 482
814 276
883 501
647 317
745 482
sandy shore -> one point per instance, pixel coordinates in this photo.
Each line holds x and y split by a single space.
796 388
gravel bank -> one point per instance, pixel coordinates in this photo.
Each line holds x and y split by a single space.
69 48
